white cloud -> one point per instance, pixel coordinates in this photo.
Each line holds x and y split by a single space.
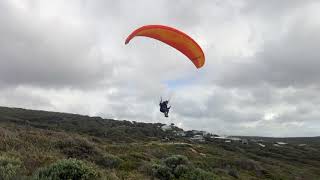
260 77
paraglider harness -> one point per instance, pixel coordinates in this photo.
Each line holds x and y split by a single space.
164 107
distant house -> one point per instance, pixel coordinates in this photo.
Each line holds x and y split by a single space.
181 133
227 141
244 141
165 139
219 137
262 145
192 133
213 136
188 133
281 143
234 139
301 145
204 133
198 138
166 127
196 132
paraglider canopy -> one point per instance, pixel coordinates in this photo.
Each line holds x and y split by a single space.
174 38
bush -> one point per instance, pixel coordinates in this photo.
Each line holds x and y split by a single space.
251 165
162 172
146 168
180 170
9 167
198 174
175 160
77 148
233 172
109 161
67 169
179 167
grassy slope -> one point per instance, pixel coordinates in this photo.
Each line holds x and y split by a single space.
39 138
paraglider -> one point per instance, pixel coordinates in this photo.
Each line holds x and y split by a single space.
164 107
174 38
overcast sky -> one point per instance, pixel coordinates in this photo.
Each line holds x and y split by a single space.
261 75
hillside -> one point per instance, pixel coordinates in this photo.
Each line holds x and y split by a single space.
37 144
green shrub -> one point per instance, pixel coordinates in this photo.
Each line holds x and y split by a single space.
77 148
9 167
251 165
179 167
248 164
133 161
71 169
162 172
175 160
198 174
180 170
109 161
146 168
233 172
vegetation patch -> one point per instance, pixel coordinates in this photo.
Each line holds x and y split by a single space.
179 167
37 145
9 167
67 169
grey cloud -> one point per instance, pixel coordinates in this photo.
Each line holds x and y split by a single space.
262 59
21 97
41 53
288 60
273 8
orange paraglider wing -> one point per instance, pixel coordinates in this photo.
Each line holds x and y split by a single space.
173 37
